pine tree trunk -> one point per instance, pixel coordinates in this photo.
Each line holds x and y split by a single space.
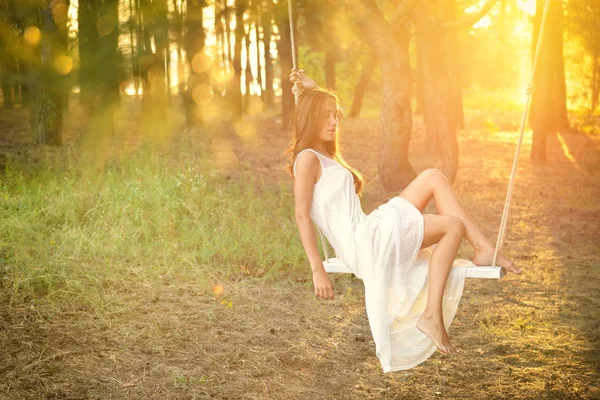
267 23
235 87
284 47
194 44
50 89
257 24
227 11
248 70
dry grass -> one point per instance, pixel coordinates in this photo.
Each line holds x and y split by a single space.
527 337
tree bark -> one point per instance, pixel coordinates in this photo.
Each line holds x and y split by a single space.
363 84
267 24
438 97
451 50
548 112
248 70
235 88
284 48
51 90
194 44
395 171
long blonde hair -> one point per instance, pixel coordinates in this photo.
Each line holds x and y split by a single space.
305 125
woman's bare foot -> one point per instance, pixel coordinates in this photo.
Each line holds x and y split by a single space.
435 330
485 256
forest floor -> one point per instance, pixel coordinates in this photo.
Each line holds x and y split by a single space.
534 336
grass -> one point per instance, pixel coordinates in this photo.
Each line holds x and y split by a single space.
77 231
163 277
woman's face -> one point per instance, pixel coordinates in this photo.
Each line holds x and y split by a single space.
329 118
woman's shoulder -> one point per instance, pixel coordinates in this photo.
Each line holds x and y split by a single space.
306 161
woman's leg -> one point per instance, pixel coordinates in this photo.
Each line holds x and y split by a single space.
447 232
432 183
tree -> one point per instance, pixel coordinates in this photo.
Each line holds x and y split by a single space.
582 21
548 104
235 87
195 38
391 48
284 47
47 79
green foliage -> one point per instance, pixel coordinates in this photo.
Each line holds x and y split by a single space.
75 230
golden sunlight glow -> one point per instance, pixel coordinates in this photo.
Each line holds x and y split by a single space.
245 128
527 5
222 75
63 64
73 21
202 62
32 35
202 94
567 153
483 22
132 86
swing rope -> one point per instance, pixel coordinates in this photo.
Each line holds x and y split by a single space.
513 174
296 91
501 232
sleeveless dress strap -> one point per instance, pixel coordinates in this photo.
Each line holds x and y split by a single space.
298 156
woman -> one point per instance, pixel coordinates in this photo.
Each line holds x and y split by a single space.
381 248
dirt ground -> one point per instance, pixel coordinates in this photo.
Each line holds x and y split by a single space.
534 336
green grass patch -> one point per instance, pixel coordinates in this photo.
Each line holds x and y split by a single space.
80 232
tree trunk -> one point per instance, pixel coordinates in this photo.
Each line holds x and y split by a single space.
267 23
6 58
451 50
363 84
595 84
51 91
134 52
257 24
395 171
100 71
227 11
548 104
438 97
329 45
284 48
248 70
221 50
235 87
194 44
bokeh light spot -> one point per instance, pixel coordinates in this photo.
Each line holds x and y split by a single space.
63 64
218 289
132 86
202 94
202 62
222 74
245 128
106 24
32 35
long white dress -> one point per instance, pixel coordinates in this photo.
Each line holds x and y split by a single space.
382 249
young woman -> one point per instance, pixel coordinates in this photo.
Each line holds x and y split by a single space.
382 248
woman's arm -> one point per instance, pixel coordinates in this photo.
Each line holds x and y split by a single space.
307 168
